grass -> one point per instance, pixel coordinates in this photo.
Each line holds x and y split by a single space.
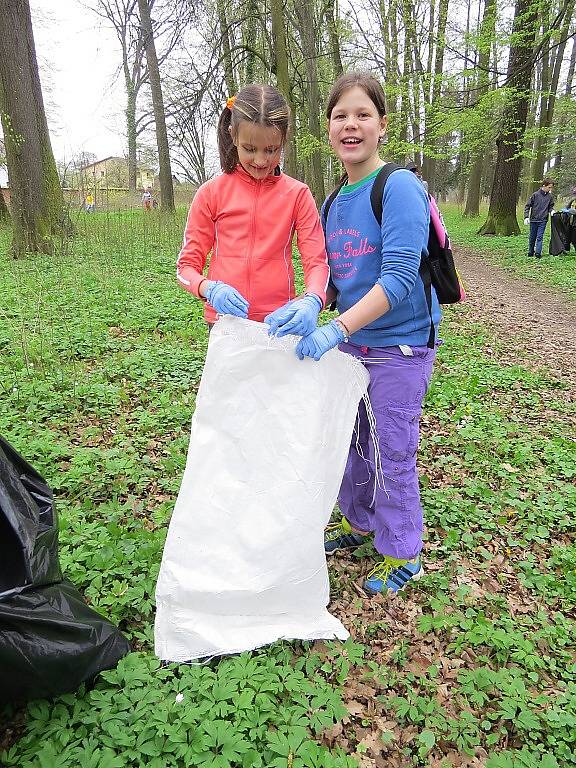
100 358
510 252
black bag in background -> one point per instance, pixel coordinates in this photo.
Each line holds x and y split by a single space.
562 232
50 640
28 526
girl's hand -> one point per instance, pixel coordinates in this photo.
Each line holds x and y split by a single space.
298 317
225 299
320 341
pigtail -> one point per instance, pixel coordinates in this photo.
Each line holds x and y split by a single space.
226 148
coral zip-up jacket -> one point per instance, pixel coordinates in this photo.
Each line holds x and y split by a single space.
248 226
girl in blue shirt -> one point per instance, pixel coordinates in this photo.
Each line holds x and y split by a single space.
385 322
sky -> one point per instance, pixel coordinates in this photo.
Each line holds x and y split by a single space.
78 57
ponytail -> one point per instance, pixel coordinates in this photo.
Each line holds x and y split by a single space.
226 148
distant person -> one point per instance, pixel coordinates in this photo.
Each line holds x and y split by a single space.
89 203
147 200
154 203
418 173
536 211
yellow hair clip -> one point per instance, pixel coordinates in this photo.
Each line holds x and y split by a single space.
230 102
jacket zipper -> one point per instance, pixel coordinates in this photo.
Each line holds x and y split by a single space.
252 239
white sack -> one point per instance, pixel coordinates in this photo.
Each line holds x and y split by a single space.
244 562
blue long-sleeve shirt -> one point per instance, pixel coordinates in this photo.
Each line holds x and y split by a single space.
362 255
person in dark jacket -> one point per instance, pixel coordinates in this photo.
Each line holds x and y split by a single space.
536 212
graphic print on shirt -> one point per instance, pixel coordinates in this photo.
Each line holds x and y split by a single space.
352 244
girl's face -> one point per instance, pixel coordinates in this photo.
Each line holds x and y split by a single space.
355 127
259 148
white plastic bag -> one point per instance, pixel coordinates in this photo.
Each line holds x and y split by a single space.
244 562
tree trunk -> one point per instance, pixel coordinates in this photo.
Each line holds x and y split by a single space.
567 93
307 24
39 211
548 102
250 34
414 86
166 185
404 106
331 15
4 212
504 197
131 128
429 169
486 34
226 48
282 76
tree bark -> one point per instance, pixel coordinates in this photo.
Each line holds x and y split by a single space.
429 165
307 24
504 196
39 211
567 93
226 47
165 169
131 131
250 27
486 34
4 212
331 15
548 102
283 77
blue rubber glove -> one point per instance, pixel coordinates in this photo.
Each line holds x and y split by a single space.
299 317
225 299
321 340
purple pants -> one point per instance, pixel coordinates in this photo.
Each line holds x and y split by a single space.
398 383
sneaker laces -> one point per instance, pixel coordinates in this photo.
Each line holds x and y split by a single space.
384 568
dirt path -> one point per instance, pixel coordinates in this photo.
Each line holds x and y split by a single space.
539 319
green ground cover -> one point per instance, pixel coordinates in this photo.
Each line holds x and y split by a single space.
511 252
100 358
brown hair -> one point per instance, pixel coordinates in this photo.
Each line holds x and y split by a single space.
547 182
259 104
364 80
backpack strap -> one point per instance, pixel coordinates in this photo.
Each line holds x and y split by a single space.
376 198
330 200
377 191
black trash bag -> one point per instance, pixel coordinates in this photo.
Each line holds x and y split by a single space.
28 525
50 640
559 233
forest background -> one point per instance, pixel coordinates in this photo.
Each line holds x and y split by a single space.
480 94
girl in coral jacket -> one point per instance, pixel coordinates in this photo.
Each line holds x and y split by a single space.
246 218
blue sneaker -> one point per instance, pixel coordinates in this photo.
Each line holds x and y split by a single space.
392 575
341 536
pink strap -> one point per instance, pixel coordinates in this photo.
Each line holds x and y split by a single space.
436 219
443 239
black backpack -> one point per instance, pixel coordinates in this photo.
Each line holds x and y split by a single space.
437 269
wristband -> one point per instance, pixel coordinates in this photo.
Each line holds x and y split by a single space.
345 330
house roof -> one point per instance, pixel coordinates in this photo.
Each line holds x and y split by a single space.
139 169
97 162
